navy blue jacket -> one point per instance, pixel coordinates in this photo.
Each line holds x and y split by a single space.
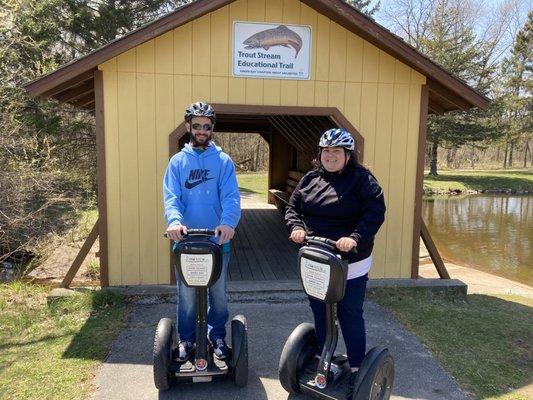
349 203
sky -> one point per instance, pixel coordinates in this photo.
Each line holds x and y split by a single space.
487 11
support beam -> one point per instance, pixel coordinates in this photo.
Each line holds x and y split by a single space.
419 183
76 80
76 264
435 108
433 252
441 92
76 92
84 101
101 177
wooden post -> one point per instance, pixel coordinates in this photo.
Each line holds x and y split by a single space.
433 252
67 280
419 188
101 175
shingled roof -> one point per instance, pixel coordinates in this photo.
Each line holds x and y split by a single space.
74 83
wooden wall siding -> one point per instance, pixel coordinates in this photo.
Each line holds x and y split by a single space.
147 88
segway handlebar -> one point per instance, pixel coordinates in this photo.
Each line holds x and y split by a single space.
197 232
328 242
200 232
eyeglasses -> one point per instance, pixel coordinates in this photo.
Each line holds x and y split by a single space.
198 127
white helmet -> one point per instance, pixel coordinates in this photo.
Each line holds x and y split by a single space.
337 138
200 109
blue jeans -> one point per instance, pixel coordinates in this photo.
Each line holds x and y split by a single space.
350 315
217 311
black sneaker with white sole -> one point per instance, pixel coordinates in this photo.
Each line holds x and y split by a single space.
220 349
184 351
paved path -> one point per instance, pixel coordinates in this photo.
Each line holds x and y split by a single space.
480 282
127 373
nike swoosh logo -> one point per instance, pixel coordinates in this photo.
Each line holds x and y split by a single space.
190 185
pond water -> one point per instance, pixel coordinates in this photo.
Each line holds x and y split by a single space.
492 233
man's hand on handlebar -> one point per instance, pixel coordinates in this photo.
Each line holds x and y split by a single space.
225 232
176 232
297 235
346 244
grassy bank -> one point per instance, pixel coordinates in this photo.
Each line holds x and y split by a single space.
255 184
53 351
460 181
483 342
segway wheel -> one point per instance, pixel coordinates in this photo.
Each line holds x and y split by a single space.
163 354
239 346
377 376
299 348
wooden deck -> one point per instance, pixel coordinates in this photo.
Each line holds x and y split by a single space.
261 250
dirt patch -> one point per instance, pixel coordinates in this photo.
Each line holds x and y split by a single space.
54 268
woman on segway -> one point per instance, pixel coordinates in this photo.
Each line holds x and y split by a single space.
341 200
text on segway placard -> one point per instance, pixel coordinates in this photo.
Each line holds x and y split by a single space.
315 277
197 268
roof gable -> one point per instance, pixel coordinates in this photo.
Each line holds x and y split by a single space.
73 82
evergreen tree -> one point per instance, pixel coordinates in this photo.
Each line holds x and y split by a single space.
450 41
91 24
365 6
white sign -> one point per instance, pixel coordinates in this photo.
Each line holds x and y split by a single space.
197 268
271 50
315 277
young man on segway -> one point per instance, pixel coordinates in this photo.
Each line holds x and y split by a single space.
340 200
200 191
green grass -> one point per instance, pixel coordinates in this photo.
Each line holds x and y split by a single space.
93 269
483 342
256 184
463 181
53 351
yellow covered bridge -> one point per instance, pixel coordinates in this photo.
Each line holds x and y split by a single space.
345 71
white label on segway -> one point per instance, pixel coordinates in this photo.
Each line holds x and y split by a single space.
197 268
315 277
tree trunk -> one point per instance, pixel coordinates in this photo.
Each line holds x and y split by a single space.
450 157
505 156
510 164
427 159
433 159
257 147
526 151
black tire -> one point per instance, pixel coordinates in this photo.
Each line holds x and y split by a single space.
239 346
299 348
163 354
377 376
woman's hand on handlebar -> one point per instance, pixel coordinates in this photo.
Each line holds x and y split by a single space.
176 232
346 244
297 236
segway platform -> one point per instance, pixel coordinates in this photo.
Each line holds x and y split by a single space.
341 389
187 372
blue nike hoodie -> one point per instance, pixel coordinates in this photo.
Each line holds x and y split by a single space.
200 189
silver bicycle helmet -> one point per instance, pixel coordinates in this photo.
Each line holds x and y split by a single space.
337 138
200 109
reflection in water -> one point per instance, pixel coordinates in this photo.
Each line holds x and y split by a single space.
490 233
